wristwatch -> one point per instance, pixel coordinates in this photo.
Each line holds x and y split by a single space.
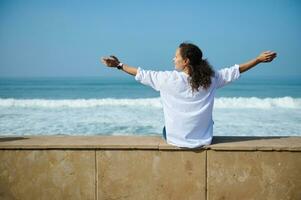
120 66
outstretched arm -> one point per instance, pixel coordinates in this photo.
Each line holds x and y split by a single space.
113 61
266 56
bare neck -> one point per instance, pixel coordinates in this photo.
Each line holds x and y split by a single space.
186 70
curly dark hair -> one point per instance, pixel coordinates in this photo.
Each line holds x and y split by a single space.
200 70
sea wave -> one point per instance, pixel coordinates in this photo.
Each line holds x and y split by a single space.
255 102
221 102
79 103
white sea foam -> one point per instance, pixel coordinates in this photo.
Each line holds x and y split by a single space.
254 102
79 103
222 102
271 116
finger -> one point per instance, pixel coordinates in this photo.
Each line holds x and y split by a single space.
114 57
272 55
272 52
109 60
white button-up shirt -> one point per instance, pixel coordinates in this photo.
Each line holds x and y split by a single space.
187 114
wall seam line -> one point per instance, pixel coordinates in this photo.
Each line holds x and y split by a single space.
96 176
206 177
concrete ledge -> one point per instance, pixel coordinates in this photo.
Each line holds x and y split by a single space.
145 167
79 142
148 142
256 143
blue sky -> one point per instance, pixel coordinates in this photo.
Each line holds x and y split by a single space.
67 38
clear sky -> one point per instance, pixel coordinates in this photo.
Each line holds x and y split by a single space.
67 38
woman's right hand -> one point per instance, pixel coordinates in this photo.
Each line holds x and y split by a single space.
267 56
111 61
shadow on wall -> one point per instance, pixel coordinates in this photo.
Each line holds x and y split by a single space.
227 139
7 139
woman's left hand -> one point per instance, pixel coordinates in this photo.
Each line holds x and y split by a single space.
111 61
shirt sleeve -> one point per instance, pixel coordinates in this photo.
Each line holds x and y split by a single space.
154 79
227 75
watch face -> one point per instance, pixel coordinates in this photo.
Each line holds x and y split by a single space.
120 65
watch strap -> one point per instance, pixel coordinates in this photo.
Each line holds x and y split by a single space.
120 66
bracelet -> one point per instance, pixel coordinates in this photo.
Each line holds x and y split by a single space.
120 66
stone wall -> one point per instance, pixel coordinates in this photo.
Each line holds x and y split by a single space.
145 167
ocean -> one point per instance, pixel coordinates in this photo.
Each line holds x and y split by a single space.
250 106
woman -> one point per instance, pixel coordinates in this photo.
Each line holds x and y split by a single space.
187 93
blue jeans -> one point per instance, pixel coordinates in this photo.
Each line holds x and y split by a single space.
164 133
